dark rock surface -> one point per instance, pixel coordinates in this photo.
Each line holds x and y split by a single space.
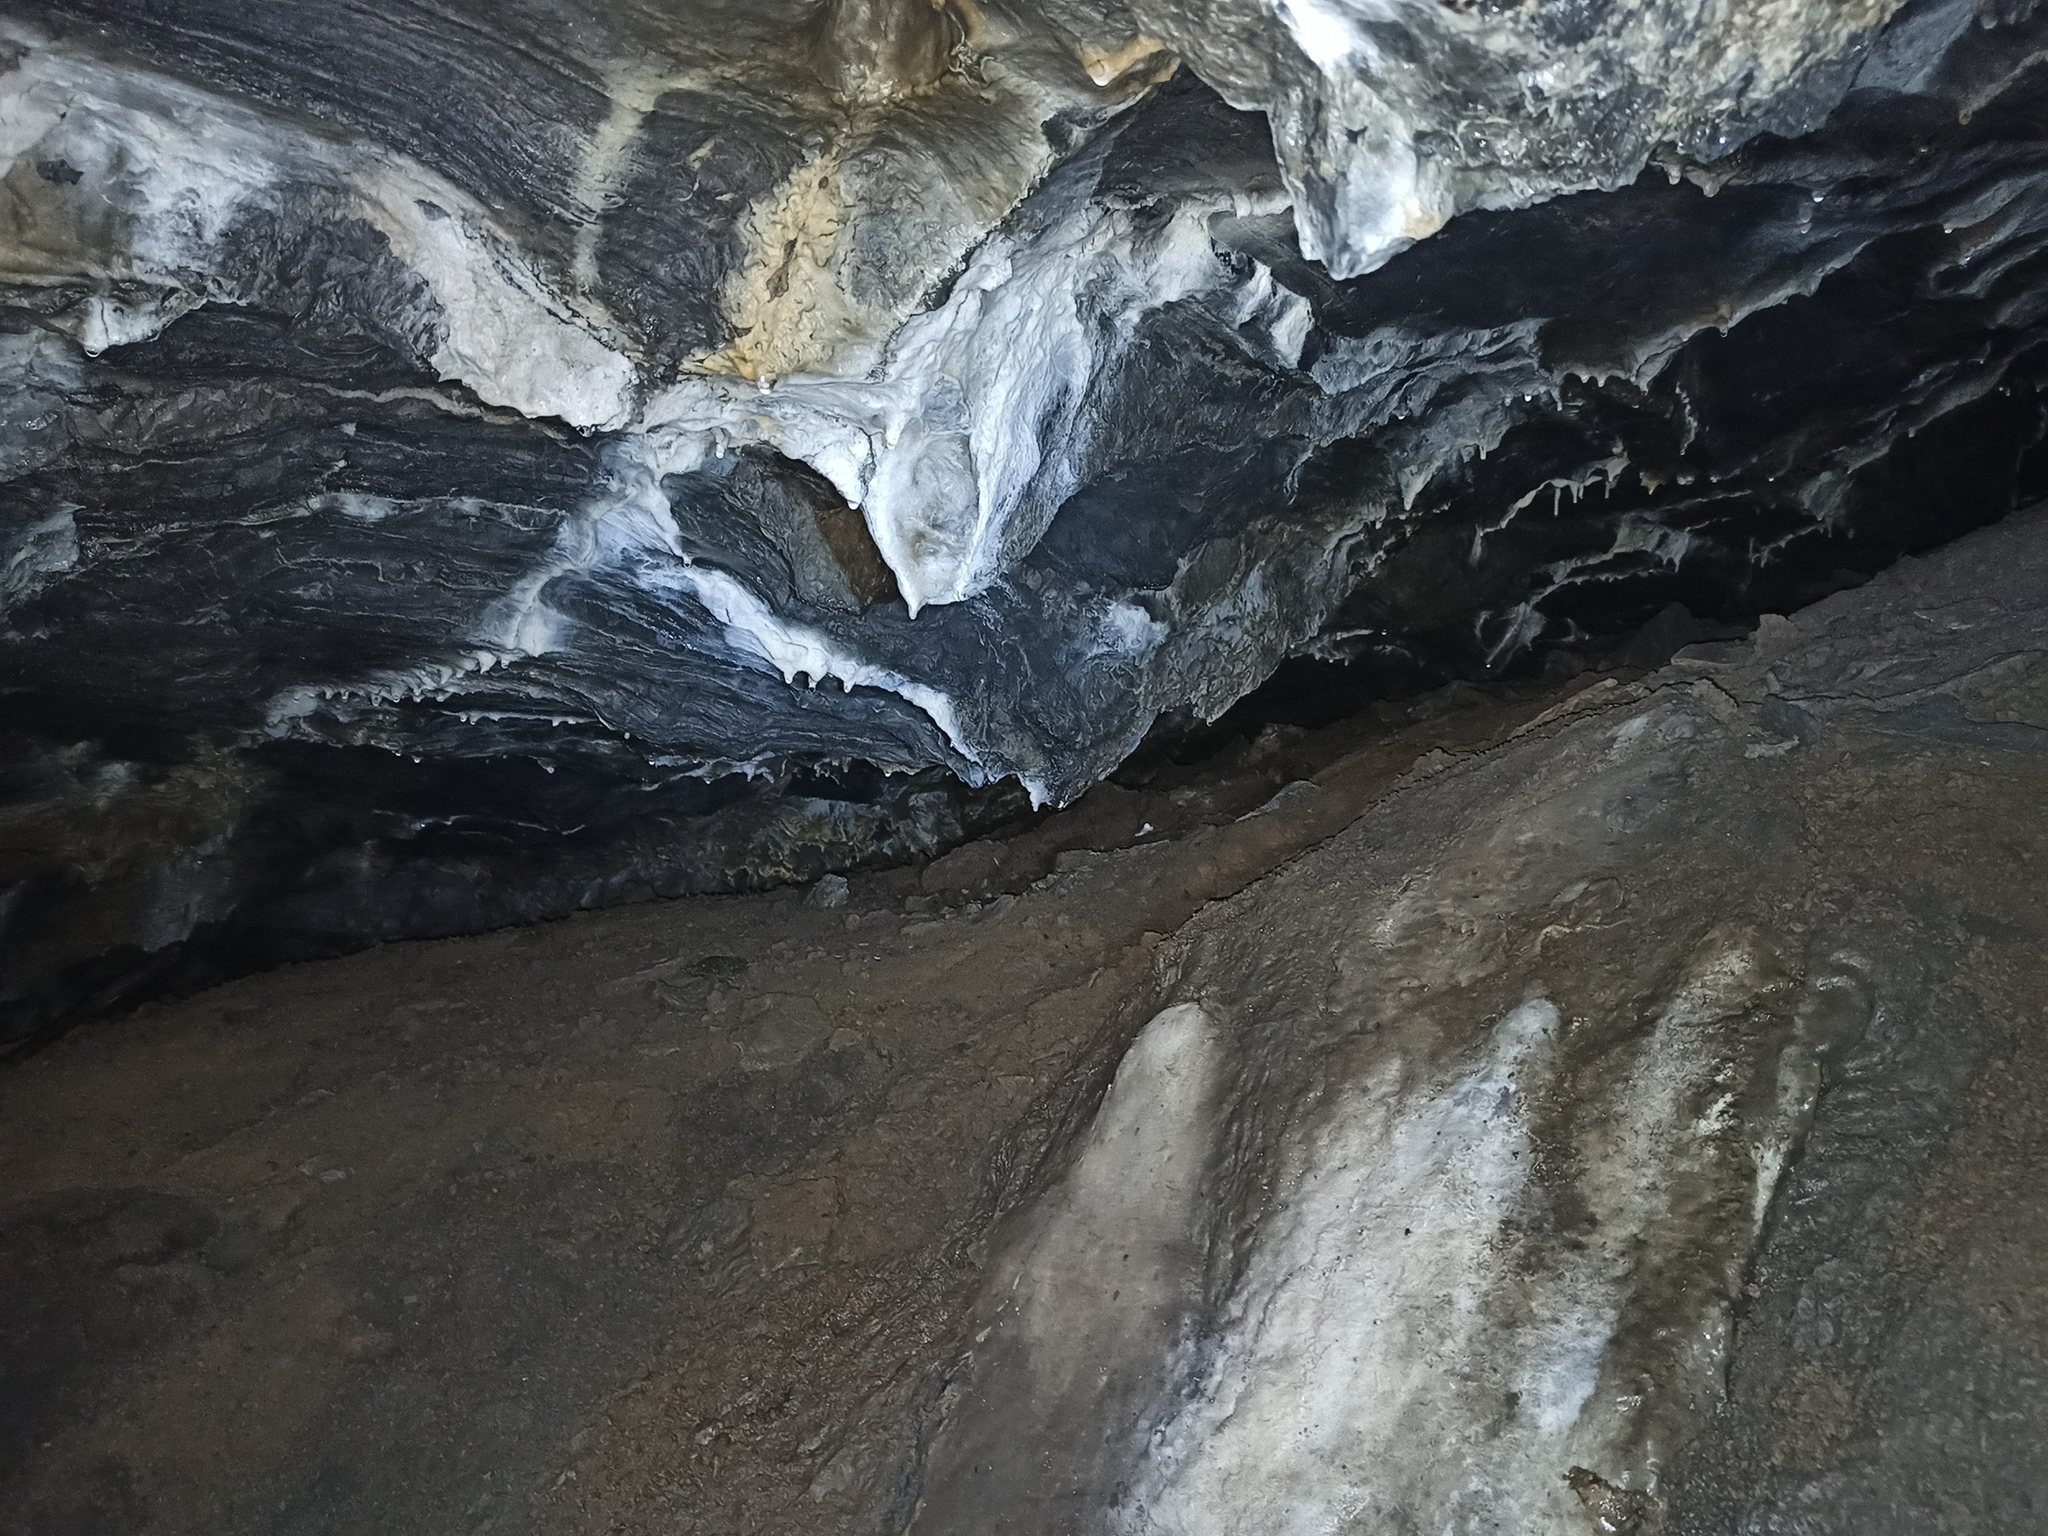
1628 1123
503 461
1617 1102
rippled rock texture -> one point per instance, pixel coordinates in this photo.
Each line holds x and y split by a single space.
467 462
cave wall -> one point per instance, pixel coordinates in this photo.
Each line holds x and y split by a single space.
461 467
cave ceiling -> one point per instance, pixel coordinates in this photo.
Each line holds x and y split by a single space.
403 404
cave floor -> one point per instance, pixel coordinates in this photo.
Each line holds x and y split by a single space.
673 1217
657 1215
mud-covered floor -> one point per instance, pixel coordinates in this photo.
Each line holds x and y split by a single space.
652 1216
675 1218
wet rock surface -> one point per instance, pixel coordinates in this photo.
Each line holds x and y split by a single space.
465 465
1603 1107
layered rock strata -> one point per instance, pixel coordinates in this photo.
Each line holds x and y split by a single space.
638 416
